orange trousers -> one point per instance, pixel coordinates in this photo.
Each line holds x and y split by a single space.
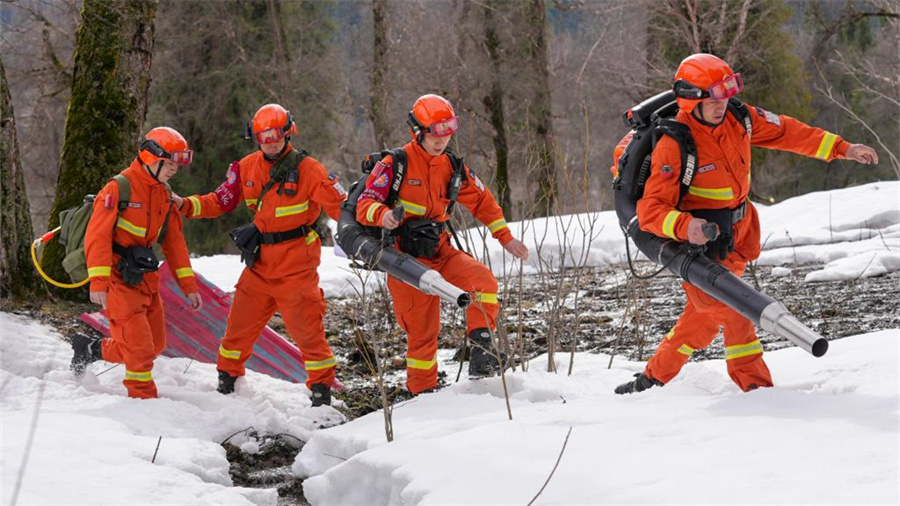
698 326
302 306
419 315
137 330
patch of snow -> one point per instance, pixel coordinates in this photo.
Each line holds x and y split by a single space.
827 433
780 272
93 445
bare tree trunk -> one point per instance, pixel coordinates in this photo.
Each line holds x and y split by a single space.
493 102
17 277
378 94
541 121
280 42
113 51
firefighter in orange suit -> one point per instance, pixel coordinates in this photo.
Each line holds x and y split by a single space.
286 190
703 85
423 196
122 266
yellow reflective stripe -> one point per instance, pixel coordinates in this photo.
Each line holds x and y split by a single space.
712 193
184 272
742 350
488 298
414 363
497 225
232 354
686 350
311 237
312 365
144 376
131 227
98 271
668 227
370 214
291 210
251 202
671 333
825 146
412 208
195 206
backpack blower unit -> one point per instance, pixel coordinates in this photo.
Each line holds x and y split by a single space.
688 263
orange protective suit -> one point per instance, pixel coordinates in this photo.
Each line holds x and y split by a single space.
721 180
284 277
423 196
136 320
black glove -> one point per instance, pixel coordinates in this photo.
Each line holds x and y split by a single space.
720 248
247 239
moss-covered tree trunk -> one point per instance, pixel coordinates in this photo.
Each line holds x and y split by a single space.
493 102
18 279
113 50
540 118
378 94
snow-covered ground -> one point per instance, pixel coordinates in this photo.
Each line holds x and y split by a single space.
855 232
93 445
828 433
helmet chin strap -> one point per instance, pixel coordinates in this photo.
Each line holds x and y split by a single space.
698 115
158 170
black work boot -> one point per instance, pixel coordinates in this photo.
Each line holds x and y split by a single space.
482 362
87 350
226 383
638 384
321 395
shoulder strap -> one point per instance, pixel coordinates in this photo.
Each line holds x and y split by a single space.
124 190
398 156
456 179
279 172
741 112
681 133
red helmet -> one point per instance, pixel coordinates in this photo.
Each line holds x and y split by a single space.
432 114
164 143
271 123
703 76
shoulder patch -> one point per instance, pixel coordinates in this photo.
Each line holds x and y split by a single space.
332 176
666 170
381 181
769 117
231 177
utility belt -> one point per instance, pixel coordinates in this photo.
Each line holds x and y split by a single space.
420 238
248 239
135 262
725 219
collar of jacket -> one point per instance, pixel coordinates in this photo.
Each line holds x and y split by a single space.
698 124
137 171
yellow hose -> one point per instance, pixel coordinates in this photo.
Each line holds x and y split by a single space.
37 264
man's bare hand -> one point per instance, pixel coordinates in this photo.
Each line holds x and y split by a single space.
389 222
862 154
99 298
517 249
695 231
196 301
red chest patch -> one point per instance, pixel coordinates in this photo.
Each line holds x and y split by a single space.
707 168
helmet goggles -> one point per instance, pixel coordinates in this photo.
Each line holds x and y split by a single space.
180 157
726 88
183 157
444 128
720 90
269 135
